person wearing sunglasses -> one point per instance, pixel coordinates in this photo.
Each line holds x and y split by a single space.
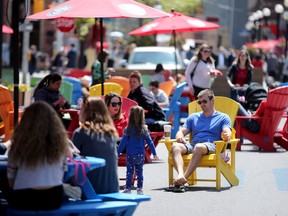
200 71
206 127
114 103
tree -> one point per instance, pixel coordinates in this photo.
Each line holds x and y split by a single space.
187 7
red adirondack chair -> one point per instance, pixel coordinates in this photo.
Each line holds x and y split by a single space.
277 103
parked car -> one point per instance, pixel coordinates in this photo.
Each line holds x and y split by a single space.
146 58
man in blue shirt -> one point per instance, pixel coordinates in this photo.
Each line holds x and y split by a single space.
206 127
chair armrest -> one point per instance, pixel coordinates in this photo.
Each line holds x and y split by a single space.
165 109
221 147
248 117
124 197
169 143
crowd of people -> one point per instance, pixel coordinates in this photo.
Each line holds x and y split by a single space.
105 131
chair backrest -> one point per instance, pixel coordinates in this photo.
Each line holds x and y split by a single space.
146 80
222 104
174 100
167 87
77 92
277 103
66 90
6 103
95 90
126 105
123 81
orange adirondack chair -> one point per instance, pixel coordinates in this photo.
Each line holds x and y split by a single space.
167 87
123 81
7 113
277 102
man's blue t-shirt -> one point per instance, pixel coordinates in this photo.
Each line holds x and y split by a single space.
207 129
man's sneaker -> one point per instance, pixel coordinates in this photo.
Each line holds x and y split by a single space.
140 191
127 191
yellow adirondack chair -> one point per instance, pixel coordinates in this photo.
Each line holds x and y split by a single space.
227 169
95 90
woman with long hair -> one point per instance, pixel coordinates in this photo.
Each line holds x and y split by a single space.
200 71
37 159
48 90
96 137
240 75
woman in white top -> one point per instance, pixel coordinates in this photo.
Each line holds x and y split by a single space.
202 69
37 159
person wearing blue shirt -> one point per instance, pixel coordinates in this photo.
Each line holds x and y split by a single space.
206 127
133 140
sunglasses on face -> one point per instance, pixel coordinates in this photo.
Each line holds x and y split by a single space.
114 104
206 51
202 102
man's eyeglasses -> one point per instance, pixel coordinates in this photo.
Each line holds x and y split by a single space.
114 104
202 101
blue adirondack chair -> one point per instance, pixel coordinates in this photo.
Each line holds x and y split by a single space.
77 93
175 108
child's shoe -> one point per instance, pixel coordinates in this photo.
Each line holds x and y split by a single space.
127 191
139 191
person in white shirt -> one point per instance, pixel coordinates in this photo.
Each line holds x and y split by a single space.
160 96
200 71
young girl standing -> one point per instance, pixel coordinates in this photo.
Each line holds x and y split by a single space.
133 140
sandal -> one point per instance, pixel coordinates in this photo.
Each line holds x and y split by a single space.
179 189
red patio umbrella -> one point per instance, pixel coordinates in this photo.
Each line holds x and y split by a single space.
7 29
175 22
264 44
100 9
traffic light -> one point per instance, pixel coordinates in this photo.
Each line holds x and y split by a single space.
38 6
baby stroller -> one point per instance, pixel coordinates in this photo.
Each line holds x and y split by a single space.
255 93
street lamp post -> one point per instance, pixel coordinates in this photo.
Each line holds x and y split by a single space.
259 23
279 10
265 29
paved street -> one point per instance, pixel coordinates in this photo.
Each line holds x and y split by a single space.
263 188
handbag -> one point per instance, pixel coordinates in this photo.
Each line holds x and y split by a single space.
80 166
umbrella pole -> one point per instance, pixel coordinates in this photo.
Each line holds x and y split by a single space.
15 19
175 46
102 62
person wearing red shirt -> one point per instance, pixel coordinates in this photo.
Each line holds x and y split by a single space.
114 104
240 75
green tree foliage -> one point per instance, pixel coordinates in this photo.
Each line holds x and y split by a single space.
82 26
187 7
